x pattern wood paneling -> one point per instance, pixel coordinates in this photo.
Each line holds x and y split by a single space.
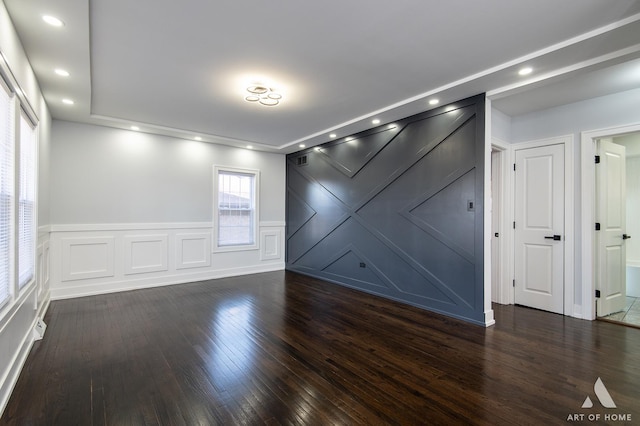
396 211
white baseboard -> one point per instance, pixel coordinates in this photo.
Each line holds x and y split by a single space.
138 284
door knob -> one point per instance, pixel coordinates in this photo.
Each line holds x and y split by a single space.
553 237
625 236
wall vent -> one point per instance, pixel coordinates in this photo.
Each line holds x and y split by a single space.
301 161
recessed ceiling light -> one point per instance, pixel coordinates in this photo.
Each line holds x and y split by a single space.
333 135
375 121
52 20
525 71
135 128
249 146
434 101
67 101
302 145
198 138
61 72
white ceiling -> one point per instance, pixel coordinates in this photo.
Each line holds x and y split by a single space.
180 68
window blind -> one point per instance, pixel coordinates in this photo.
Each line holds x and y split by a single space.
7 156
236 208
26 203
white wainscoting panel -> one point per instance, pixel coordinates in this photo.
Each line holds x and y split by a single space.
88 257
270 244
145 253
193 250
42 276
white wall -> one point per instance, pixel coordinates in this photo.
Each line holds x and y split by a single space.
619 109
105 175
607 111
132 210
17 320
500 126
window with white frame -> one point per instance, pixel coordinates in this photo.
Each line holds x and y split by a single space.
18 162
236 208
7 188
26 202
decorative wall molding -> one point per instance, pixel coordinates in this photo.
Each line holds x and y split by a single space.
145 253
45 229
92 289
401 216
91 227
193 250
97 259
43 266
88 257
273 224
270 243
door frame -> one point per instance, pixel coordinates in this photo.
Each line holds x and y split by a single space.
503 293
587 211
569 217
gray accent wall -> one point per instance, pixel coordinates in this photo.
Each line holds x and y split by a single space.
396 211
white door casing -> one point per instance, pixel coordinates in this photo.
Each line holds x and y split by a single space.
610 214
496 208
540 227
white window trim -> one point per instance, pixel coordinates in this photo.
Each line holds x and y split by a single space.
256 220
22 107
12 287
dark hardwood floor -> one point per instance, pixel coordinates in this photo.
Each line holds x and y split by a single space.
281 348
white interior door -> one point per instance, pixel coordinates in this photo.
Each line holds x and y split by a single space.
539 228
611 216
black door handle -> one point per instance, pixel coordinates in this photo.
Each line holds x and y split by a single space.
553 237
625 236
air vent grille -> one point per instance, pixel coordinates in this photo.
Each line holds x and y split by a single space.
301 161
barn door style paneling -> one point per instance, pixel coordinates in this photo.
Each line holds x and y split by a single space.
396 211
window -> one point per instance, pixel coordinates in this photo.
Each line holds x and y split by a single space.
7 124
26 202
18 162
236 200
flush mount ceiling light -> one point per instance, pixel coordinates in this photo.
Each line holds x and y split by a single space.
263 95
61 72
68 101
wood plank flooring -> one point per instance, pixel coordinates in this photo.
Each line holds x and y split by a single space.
282 348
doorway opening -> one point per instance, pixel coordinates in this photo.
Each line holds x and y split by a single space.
501 291
588 224
627 308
